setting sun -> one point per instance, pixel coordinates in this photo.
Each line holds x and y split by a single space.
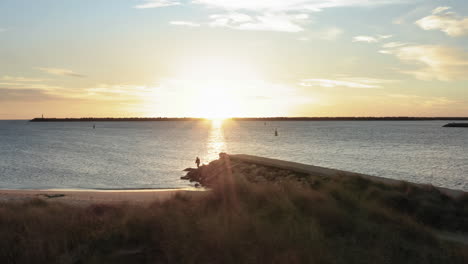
218 86
215 101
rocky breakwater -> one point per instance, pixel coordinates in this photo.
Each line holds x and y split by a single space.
208 175
228 168
233 176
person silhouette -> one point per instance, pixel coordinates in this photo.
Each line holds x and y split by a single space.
197 161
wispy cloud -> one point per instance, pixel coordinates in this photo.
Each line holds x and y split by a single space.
24 95
367 39
31 86
184 23
371 39
62 72
290 5
347 82
19 79
19 83
264 22
446 21
331 33
157 3
424 101
440 9
116 91
392 45
434 62
223 20
277 15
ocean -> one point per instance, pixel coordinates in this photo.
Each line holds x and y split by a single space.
136 155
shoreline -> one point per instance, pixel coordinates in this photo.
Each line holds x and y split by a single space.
255 206
85 196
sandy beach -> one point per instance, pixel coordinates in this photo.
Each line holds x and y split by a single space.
93 196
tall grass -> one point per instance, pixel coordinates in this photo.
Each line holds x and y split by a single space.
239 221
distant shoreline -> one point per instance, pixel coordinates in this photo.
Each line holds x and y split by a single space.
156 119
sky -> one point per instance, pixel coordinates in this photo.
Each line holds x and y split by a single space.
225 58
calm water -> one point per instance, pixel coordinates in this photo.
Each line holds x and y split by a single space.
152 154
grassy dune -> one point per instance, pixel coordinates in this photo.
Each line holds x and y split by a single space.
252 215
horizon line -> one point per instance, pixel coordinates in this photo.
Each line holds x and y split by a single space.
305 118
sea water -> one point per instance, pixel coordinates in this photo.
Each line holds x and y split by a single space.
120 155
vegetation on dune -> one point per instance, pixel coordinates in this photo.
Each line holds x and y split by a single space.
250 216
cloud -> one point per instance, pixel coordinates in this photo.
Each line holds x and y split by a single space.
349 82
20 79
330 33
2 30
446 21
367 39
184 23
424 101
371 39
119 91
62 72
440 9
264 22
434 62
229 18
22 83
277 15
411 15
31 86
290 5
392 45
157 3
26 89
14 95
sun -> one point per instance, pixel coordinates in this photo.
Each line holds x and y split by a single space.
215 85
215 102
220 88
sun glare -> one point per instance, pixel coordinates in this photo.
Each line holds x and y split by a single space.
215 102
217 85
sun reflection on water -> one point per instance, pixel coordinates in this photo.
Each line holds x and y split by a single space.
216 141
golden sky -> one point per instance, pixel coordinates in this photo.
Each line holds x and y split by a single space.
224 58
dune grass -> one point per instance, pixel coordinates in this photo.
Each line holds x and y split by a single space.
314 220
